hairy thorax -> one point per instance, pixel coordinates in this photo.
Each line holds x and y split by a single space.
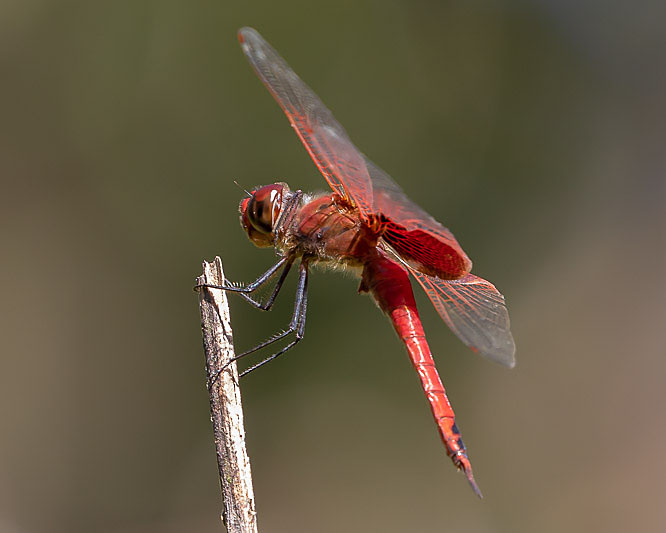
330 230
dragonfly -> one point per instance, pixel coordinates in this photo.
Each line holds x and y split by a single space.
366 224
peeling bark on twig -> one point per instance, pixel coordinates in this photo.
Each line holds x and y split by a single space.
225 404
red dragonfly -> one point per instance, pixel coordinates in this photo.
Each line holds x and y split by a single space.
369 225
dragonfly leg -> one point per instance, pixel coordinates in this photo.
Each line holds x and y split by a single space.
247 290
296 326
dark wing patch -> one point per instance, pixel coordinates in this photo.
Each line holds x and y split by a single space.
424 252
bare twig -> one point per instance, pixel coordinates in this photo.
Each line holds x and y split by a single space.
225 404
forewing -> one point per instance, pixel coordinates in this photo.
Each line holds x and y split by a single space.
420 240
475 311
325 139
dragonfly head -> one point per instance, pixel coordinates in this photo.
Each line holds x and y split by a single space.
261 211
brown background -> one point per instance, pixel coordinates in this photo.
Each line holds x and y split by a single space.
533 129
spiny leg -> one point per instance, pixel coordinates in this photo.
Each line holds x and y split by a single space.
248 289
297 326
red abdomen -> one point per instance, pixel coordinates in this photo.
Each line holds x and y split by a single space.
389 284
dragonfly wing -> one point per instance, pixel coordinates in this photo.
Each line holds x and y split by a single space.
475 311
323 136
414 234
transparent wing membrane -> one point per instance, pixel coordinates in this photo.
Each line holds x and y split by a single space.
475 311
324 138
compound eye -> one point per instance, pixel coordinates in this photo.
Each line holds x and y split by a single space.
264 207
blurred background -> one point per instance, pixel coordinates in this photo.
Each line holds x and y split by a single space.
533 129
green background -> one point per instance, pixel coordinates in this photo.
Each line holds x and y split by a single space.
534 130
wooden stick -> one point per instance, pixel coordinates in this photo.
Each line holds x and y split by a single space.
225 404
